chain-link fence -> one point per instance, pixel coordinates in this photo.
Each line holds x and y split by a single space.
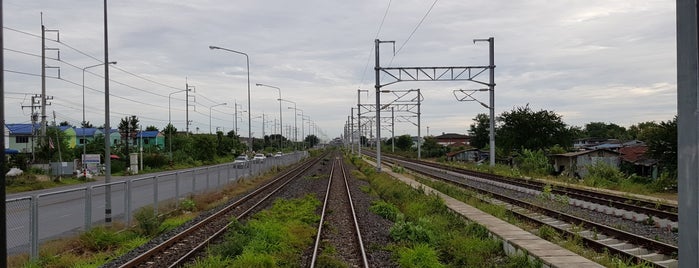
37 218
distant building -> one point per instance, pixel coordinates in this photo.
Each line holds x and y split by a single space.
575 163
471 155
453 139
636 157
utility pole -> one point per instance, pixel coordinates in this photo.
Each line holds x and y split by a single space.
687 131
43 75
188 88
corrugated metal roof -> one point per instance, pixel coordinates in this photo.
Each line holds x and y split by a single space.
21 129
87 131
148 134
571 154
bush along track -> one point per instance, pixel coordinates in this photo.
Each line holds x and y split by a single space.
426 234
276 237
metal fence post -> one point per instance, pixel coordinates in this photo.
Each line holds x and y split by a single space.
177 190
194 181
218 176
228 173
88 208
34 247
207 179
127 203
155 195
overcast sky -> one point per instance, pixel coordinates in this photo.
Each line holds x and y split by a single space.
589 61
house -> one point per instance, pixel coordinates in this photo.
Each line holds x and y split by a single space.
471 155
70 135
85 135
575 163
150 139
453 139
641 163
20 137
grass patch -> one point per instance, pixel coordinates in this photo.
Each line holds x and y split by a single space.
573 243
100 245
427 234
274 237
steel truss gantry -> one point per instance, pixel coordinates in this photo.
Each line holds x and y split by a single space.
445 73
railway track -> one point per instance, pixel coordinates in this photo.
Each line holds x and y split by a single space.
339 213
660 212
182 247
599 236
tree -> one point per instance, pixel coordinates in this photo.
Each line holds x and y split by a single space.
642 131
86 124
404 142
431 148
479 131
662 144
65 124
152 128
523 128
127 128
311 140
604 130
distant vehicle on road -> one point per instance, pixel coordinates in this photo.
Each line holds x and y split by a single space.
259 158
278 154
242 161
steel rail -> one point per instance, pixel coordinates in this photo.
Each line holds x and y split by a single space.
160 248
663 248
656 209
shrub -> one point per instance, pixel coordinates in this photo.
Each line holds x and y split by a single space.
421 255
101 239
534 163
188 204
411 231
385 210
148 221
155 160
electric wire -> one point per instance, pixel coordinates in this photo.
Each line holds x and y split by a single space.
371 51
414 30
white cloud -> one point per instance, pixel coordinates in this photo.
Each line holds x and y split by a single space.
588 61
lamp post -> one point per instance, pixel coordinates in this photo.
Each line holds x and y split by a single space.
303 142
280 110
169 119
296 138
83 126
294 117
247 59
107 130
211 109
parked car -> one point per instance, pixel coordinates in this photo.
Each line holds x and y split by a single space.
278 154
242 161
259 158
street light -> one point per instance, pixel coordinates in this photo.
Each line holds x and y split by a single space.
295 137
280 110
169 118
210 109
247 59
83 126
303 145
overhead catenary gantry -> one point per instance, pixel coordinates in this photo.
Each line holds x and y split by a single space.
449 73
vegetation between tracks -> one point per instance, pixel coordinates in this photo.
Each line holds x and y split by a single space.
571 243
276 237
427 234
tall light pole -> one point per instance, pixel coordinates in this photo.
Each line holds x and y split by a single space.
210 110
294 118
303 142
280 110
247 59
107 129
296 139
359 121
83 126
169 119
